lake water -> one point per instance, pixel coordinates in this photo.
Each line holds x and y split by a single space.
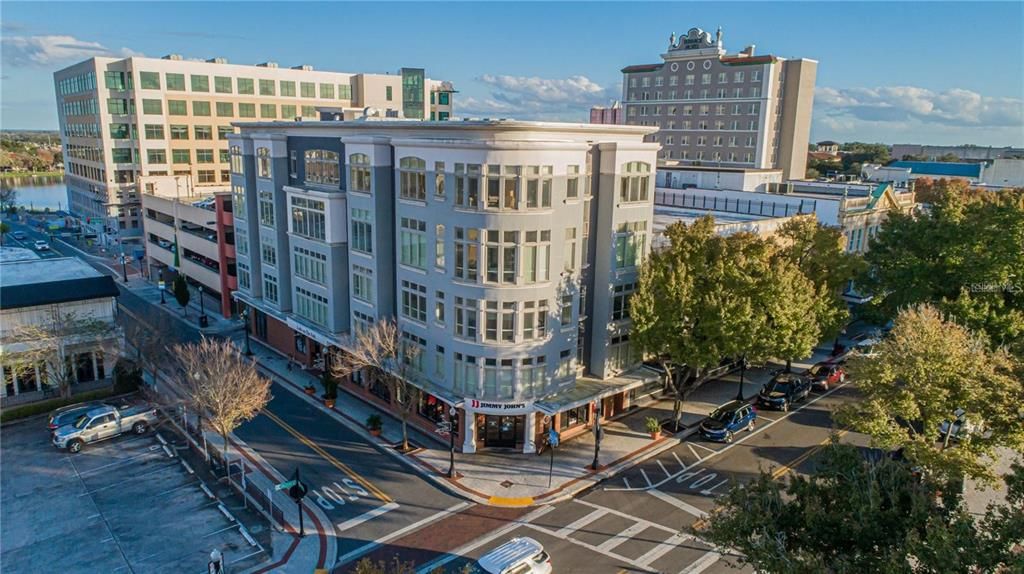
39 192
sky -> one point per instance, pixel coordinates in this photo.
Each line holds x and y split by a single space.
892 72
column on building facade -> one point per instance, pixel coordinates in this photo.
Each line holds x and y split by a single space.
529 431
469 434
95 370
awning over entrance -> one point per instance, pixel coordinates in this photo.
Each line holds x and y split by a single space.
588 390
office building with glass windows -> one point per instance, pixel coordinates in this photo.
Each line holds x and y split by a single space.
507 252
724 110
125 118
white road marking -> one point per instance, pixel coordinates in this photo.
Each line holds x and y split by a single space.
709 491
621 537
703 563
370 515
474 544
663 548
628 516
681 465
685 507
698 445
663 469
738 442
590 547
647 480
760 416
626 481
369 547
580 523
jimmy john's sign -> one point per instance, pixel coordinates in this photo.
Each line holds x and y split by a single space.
496 408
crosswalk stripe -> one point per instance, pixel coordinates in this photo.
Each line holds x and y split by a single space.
580 523
662 548
622 537
664 497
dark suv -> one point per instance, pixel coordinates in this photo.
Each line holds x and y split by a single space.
727 420
783 390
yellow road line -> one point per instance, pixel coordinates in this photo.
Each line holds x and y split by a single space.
327 456
785 469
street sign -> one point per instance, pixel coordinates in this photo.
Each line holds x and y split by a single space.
553 437
444 427
297 491
163 286
285 484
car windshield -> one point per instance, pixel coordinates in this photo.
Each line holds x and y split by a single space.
81 422
777 387
722 414
817 370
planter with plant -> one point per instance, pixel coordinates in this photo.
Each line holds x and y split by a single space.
310 389
374 424
653 426
330 389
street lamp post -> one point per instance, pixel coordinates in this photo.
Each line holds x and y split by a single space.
743 372
597 434
162 288
124 265
202 305
245 321
452 412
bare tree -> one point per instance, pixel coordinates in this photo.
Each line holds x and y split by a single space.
382 350
151 344
222 384
53 344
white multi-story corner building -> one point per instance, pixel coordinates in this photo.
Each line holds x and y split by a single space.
507 250
125 118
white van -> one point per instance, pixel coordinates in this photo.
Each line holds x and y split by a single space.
517 556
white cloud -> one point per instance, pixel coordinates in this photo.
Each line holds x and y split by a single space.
908 104
48 50
531 97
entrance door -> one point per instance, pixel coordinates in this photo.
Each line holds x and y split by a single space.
502 431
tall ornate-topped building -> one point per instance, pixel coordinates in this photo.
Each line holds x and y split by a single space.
718 109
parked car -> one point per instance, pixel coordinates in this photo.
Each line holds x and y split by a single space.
41 245
102 423
826 374
783 391
727 420
19 235
69 414
517 556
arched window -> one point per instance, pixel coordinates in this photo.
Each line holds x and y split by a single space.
359 172
263 162
322 167
413 172
636 181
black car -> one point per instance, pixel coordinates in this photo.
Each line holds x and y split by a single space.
783 390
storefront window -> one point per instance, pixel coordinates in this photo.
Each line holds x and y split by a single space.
573 417
432 408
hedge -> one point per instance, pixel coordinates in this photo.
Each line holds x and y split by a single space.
40 407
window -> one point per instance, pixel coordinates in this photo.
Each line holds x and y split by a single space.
311 306
154 131
203 132
500 321
574 417
467 185
154 107
246 110
344 92
266 88
635 182
116 81
268 253
705 79
443 98
620 301
179 132
287 111
322 167
629 244
538 186
263 162
359 172
413 242
387 93
287 89
534 320
362 231
308 218
501 256
467 375
414 301
306 89
206 176
569 254
362 283
565 316
236 160
245 85
149 80
327 91
439 307
413 175
204 156
465 318
412 350
467 252
244 279
177 108
536 255
620 353
439 179
121 155
201 108
361 322
156 156
572 182
120 131
266 207
439 247
268 111
175 82
309 111
270 288
225 109
241 233
224 131
565 363
181 156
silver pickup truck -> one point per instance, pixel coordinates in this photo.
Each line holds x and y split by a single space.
102 423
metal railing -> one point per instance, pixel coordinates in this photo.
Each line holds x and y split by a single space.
708 202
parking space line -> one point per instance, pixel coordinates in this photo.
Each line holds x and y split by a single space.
680 461
685 507
698 445
647 480
369 515
626 481
663 469
580 523
769 419
121 461
327 456
127 480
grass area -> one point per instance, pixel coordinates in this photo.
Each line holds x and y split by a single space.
19 174
40 407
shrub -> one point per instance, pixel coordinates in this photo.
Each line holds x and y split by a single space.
652 425
330 386
374 422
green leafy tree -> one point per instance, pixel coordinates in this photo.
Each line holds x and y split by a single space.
181 293
948 158
4 230
862 515
919 376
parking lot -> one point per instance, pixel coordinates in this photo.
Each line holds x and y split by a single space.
123 505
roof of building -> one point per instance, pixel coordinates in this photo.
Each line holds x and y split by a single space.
29 283
508 124
827 142
11 254
642 68
940 168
